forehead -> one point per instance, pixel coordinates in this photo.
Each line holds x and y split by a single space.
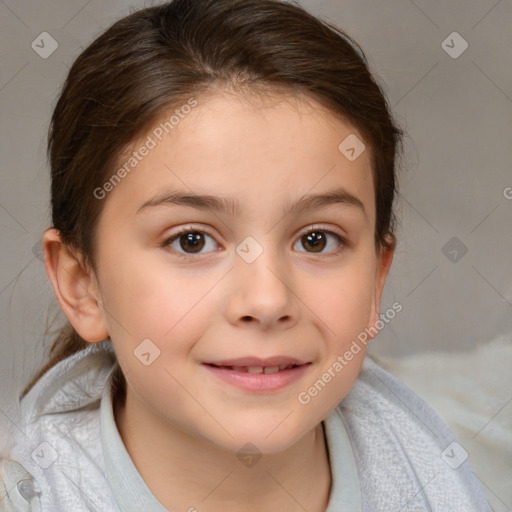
260 150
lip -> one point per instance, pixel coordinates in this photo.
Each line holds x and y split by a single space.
258 382
256 361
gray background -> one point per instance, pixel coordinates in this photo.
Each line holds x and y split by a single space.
457 113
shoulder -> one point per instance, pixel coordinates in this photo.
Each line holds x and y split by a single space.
405 453
58 443
72 384
378 397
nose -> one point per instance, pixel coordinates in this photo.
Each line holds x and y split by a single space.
261 294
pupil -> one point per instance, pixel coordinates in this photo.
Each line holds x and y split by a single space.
195 240
316 240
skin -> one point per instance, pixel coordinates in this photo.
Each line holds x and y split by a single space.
182 424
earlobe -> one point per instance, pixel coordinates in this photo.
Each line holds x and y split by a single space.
75 287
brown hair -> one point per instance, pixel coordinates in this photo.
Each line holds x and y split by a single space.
158 57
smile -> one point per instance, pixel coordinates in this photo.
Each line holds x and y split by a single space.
258 369
258 378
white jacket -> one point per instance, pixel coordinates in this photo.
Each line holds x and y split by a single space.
388 450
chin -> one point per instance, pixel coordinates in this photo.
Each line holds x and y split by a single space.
265 437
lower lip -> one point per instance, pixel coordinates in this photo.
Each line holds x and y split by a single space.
259 381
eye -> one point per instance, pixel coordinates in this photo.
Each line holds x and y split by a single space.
317 239
190 241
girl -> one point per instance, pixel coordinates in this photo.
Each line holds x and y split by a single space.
223 177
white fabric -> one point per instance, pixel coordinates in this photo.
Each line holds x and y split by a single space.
471 392
385 448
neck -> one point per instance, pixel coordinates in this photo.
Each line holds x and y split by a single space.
186 472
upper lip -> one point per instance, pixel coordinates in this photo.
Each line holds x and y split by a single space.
256 361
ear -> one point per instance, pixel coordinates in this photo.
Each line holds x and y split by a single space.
384 260
75 287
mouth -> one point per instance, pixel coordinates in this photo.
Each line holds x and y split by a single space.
256 369
253 374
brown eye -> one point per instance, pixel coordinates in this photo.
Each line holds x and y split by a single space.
314 240
193 241
317 240
190 242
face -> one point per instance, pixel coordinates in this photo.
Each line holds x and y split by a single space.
275 271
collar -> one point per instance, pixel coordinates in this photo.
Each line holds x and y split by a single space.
132 493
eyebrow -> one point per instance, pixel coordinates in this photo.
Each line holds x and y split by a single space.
231 206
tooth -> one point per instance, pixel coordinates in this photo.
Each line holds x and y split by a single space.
255 369
238 368
271 369
285 366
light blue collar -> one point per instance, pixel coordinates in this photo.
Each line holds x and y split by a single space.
345 489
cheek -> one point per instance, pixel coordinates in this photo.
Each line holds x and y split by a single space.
343 300
153 301
344 307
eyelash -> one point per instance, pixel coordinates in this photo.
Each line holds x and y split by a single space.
315 228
